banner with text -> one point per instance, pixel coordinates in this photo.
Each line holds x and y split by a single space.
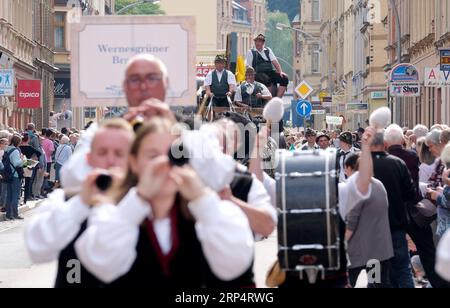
29 94
102 46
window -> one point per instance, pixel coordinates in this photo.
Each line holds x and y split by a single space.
315 10
60 29
315 59
90 112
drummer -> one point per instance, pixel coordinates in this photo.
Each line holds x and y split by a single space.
252 93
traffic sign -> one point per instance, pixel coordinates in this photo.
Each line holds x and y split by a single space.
304 108
319 111
445 60
304 89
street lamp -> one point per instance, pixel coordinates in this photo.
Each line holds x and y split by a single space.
399 53
129 6
281 27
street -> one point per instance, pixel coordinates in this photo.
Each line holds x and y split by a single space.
17 271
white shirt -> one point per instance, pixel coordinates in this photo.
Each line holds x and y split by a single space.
426 171
342 162
54 226
443 257
350 196
231 79
108 247
249 58
53 121
250 89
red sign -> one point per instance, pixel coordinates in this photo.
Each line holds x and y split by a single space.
202 71
29 94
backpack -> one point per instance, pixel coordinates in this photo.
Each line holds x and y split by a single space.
7 173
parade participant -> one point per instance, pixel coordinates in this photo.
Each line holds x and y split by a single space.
263 60
220 83
323 141
145 86
345 148
310 144
252 93
368 222
152 239
357 189
51 233
246 191
145 77
395 176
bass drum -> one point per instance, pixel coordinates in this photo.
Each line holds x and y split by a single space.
308 225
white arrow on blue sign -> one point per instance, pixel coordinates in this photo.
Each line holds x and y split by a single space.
304 108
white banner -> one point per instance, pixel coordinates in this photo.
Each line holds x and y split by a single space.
334 120
102 45
405 89
434 77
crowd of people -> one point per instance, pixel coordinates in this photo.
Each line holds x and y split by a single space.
30 164
133 213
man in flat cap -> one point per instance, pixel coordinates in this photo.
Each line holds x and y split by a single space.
220 83
264 61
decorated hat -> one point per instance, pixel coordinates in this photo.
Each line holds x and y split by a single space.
322 135
346 137
220 58
310 133
260 37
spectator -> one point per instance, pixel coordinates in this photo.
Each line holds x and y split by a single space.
41 174
368 233
32 154
63 153
427 160
16 159
395 176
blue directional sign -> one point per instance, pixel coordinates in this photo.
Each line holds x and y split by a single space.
304 108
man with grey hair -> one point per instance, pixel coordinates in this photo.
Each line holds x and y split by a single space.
394 175
433 141
145 77
422 236
419 131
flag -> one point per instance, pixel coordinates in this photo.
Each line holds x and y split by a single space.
240 69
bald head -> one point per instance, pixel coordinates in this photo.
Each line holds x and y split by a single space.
145 77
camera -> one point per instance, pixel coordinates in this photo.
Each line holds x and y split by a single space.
104 182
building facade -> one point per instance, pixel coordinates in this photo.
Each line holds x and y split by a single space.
17 47
77 117
216 19
354 38
44 58
425 28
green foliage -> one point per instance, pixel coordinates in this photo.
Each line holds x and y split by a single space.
141 9
280 41
290 7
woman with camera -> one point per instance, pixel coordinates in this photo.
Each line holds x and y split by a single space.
169 229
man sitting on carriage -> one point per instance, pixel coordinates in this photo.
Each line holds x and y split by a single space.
251 93
264 61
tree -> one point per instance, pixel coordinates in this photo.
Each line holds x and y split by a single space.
280 41
140 9
290 7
